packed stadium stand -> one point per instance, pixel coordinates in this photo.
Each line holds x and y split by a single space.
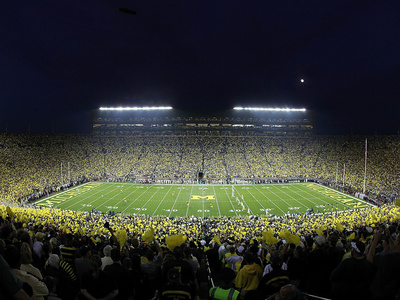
48 253
32 164
237 121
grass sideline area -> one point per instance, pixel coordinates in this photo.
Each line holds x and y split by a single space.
203 200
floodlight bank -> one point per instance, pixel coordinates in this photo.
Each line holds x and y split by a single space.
268 109
137 108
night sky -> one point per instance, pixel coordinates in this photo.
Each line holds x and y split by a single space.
60 59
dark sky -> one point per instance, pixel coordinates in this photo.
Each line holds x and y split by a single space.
60 59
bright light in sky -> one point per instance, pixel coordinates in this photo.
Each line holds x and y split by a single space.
268 109
302 80
137 108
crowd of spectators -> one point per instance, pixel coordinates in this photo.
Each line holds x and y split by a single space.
55 254
352 255
35 165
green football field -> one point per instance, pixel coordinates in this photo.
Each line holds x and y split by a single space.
202 200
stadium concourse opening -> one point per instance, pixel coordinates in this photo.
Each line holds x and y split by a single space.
200 177
115 121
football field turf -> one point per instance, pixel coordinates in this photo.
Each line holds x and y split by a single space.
202 200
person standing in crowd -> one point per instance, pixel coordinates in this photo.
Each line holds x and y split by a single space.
38 244
120 275
223 289
106 259
96 283
10 286
26 261
35 287
82 264
386 284
249 275
151 271
352 277
316 269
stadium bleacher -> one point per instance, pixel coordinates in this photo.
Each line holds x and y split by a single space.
311 247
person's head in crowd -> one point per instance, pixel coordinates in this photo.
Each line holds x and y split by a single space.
192 245
309 241
6 233
187 253
12 256
24 237
149 254
136 261
53 261
292 247
167 257
357 249
333 239
53 242
127 263
135 242
319 241
95 262
276 263
177 253
56 250
85 252
249 258
39 236
224 278
299 252
116 255
289 292
107 250
254 249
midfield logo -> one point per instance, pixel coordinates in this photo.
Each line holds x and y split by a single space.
208 197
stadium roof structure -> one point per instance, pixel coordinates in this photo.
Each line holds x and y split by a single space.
239 120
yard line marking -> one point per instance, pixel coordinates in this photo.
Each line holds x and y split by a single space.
109 199
270 201
310 196
165 195
190 196
293 198
230 201
216 200
176 199
149 198
85 198
256 200
136 199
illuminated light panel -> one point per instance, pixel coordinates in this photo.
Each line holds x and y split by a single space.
268 109
137 108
